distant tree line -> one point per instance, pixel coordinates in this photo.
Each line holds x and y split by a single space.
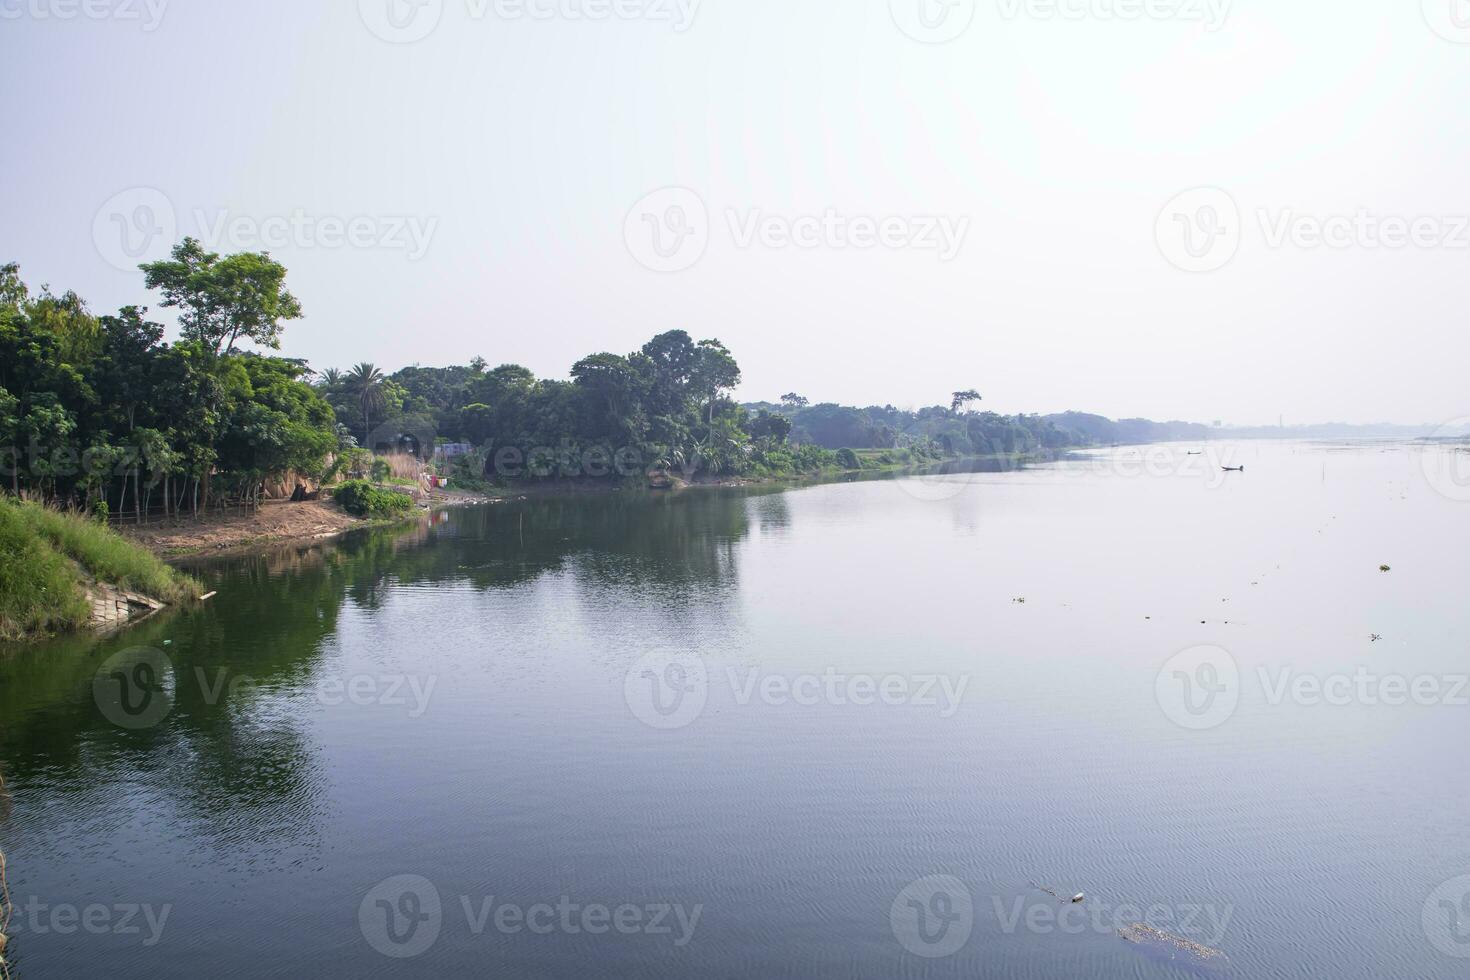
98 412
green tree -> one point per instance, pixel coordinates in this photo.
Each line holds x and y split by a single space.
365 382
10 436
224 300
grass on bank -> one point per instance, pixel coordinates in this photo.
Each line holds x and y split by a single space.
46 554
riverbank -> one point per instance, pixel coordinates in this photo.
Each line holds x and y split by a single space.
279 522
273 522
63 572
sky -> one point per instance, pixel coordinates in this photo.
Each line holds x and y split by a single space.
1238 210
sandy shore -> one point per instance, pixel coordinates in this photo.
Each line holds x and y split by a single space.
274 521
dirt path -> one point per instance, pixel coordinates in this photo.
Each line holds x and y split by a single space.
274 521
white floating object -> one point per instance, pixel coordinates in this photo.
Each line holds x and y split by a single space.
1078 897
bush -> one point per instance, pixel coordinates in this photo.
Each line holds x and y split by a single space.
381 470
362 499
848 460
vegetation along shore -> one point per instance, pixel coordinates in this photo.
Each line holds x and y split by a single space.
198 445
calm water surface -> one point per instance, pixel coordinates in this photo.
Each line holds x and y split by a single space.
805 734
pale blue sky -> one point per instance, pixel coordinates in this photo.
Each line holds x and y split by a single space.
509 150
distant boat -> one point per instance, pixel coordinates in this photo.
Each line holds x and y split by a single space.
1234 469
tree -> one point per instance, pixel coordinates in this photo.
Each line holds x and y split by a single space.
670 361
477 423
123 374
46 426
835 426
66 318
769 426
614 388
963 398
714 372
794 401
222 300
10 436
365 382
13 290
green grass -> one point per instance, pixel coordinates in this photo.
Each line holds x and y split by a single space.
43 554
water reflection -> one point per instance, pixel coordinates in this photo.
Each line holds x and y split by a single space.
227 749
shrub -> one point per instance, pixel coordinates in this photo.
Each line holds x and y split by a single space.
848 460
362 499
810 458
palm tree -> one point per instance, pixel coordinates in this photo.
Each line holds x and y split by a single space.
331 377
366 382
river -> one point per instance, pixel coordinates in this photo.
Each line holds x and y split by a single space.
836 731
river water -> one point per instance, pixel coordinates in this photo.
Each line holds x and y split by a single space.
853 730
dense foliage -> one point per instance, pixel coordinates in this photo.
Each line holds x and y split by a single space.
665 405
361 499
938 430
98 412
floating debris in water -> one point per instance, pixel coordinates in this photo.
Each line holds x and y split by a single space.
1374 637
1076 899
1384 568
1172 948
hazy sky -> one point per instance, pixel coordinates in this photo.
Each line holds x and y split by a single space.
877 201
